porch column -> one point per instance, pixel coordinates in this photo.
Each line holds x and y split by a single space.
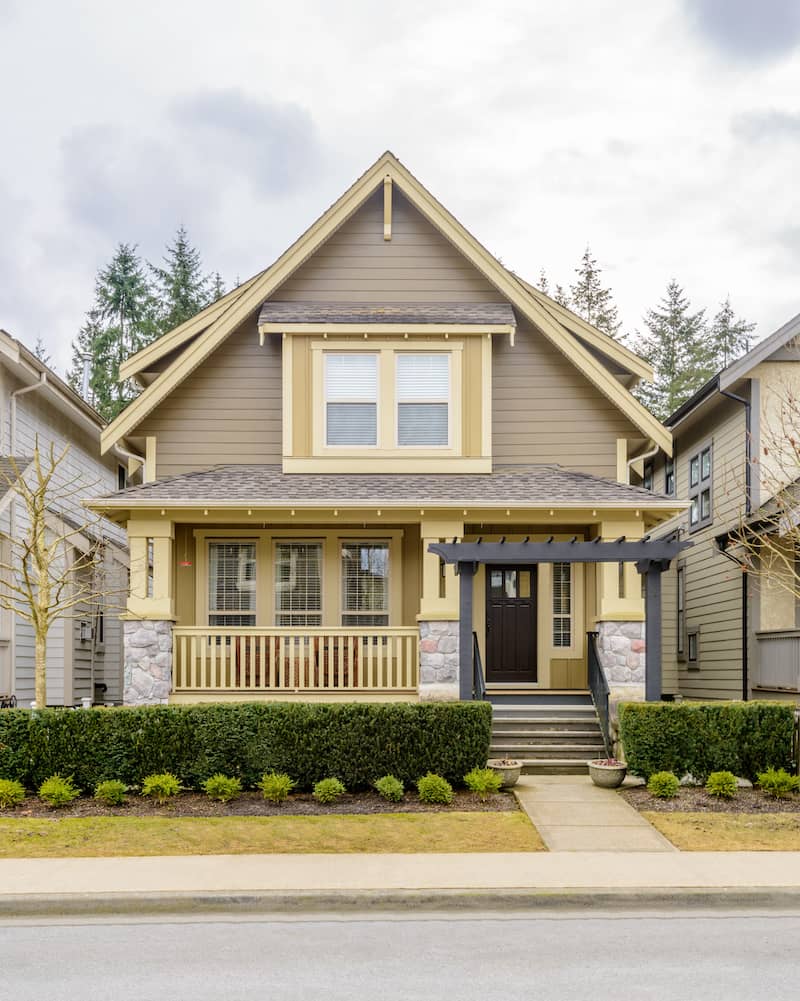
147 623
438 615
466 576
652 575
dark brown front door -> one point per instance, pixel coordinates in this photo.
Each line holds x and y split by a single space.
511 624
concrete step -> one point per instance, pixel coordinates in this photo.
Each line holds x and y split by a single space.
526 725
581 752
543 712
553 766
532 736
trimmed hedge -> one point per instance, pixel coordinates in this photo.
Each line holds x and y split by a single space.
699 738
356 742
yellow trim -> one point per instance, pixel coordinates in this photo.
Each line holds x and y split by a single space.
389 461
179 335
382 329
622 460
287 386
387 207
150 466
267 282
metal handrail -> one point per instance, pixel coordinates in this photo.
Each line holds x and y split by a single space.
478 680
598 686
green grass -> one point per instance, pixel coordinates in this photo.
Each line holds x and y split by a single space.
397 832
729 832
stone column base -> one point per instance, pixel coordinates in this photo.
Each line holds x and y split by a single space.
438 661
148 662
621 649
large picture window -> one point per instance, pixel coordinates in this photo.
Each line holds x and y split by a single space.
231 583
365 584
351 399
562 604
298 584
423 399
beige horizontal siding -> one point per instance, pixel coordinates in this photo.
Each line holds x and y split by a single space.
545 411
228 410
357 265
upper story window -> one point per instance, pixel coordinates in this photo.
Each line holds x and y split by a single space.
669 476
423 399
351 399
647 478
700 493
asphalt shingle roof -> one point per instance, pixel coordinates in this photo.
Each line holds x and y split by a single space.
268 484
478 313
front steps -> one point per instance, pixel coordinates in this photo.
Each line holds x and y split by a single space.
552 733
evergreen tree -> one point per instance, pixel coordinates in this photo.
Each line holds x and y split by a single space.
590 300
676 343
217 287
182 288
559 293
41 352
730 337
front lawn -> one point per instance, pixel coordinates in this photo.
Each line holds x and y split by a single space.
34 837
728 832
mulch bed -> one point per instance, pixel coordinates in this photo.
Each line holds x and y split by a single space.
697 800
253 804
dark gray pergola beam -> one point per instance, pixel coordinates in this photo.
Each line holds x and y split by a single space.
522 553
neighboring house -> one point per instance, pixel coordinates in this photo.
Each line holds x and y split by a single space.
84 650
384 387
729 634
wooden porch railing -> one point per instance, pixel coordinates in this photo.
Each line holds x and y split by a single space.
308 660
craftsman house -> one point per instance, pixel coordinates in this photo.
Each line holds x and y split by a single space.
729 634
386 468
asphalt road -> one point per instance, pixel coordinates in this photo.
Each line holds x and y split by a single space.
725 955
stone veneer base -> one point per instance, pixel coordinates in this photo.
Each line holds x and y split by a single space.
148 662
438 661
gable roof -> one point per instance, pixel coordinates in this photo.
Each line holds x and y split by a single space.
250 297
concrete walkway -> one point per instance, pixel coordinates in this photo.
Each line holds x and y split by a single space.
572 814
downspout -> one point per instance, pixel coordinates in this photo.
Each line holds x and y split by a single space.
640 458
748 507
12 508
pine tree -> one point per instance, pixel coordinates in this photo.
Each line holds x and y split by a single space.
590 300
217 287
41 352
559 293
183 290
676 342
730 337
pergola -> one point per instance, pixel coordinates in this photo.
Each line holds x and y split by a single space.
651 556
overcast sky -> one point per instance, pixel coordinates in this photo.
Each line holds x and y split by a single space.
665 134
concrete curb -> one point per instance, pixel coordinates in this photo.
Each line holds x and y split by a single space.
311 902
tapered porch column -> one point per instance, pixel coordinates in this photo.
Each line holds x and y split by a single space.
438 615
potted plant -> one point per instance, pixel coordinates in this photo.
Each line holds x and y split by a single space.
609 773
509 770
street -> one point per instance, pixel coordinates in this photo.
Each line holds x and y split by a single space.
555 956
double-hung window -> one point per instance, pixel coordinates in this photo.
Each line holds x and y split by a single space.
423 399
351 398
669 476
365 583
562 604
700 494
298 584
231 583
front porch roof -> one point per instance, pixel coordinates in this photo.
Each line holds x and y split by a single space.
539 486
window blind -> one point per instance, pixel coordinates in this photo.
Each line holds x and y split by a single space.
351 399
298 584
423 396
365 584
231 583
562 604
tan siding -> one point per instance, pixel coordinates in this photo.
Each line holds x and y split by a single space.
228 410
545 411
713 583
358 265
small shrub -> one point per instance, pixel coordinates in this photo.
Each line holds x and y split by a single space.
778 783
390 788
328 790
663 785
57 791
276 786
112 792
12 793
222 787
161 787
722 784
434 789
483 781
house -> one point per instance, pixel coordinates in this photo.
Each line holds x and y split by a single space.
729 634
84 650
386 468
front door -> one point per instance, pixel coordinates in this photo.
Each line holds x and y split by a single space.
511 624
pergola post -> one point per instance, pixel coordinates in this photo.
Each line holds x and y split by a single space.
466 577
652 634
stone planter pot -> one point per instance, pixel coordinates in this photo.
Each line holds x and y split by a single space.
608 775
508 770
